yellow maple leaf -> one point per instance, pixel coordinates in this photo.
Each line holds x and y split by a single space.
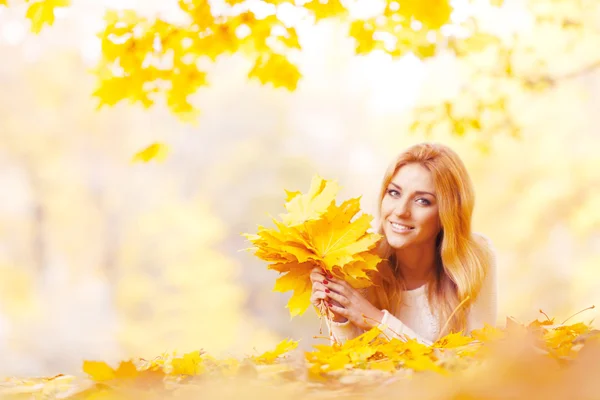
383 365
156 151
189 364
432 13
337 362
183 84
337 241
309 206
424 363
41 13
290 40
292 280
453 340
277 70
367 351
362 32
126 370
564 335
415 349
488 333
296 280
363 339
361 354
113 89
326 9
280 350
537 324
99 371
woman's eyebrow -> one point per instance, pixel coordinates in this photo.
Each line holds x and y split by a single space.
417 192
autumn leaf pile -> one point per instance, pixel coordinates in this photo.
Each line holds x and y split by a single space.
537 360
315 232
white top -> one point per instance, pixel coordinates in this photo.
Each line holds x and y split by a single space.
415 320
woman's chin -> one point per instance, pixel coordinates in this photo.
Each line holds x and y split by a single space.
398 243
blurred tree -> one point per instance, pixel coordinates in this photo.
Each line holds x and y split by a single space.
181 295
95 250
519 51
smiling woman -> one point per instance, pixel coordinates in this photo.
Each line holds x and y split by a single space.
437 276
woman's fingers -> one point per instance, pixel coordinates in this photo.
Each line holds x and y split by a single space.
323 287
322 292
335 287
340 310
340 299
316 275
317 296
319 274
341 283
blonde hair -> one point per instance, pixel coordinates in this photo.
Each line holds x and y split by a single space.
463 259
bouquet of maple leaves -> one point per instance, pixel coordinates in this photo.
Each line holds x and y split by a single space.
316 232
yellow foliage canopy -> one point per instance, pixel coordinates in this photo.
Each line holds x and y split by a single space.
318 233
136 65
144 58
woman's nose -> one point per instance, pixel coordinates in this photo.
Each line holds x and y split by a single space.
402 208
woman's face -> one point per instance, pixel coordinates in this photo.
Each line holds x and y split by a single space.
409 210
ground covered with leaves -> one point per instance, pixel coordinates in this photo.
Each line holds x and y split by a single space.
537 360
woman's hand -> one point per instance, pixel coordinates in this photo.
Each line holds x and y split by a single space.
344 301
321 292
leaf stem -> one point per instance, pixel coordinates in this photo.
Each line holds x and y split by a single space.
545 315
585 309
401 336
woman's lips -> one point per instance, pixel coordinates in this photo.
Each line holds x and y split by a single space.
400 228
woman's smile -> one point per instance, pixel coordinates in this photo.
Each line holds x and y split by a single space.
400 228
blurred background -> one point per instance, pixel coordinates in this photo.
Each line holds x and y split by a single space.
102 258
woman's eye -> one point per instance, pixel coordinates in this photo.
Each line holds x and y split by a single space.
393 192
425 201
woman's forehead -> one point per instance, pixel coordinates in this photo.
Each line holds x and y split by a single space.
414 177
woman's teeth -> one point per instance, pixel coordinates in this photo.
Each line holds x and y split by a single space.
400 227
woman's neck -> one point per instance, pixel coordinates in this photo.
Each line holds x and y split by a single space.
417 266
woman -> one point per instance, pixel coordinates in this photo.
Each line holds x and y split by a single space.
437 276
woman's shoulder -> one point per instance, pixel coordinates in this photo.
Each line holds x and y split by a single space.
483 239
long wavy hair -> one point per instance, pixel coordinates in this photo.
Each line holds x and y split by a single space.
463 258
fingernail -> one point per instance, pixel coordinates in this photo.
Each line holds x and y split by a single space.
327 290
329 276
325 282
